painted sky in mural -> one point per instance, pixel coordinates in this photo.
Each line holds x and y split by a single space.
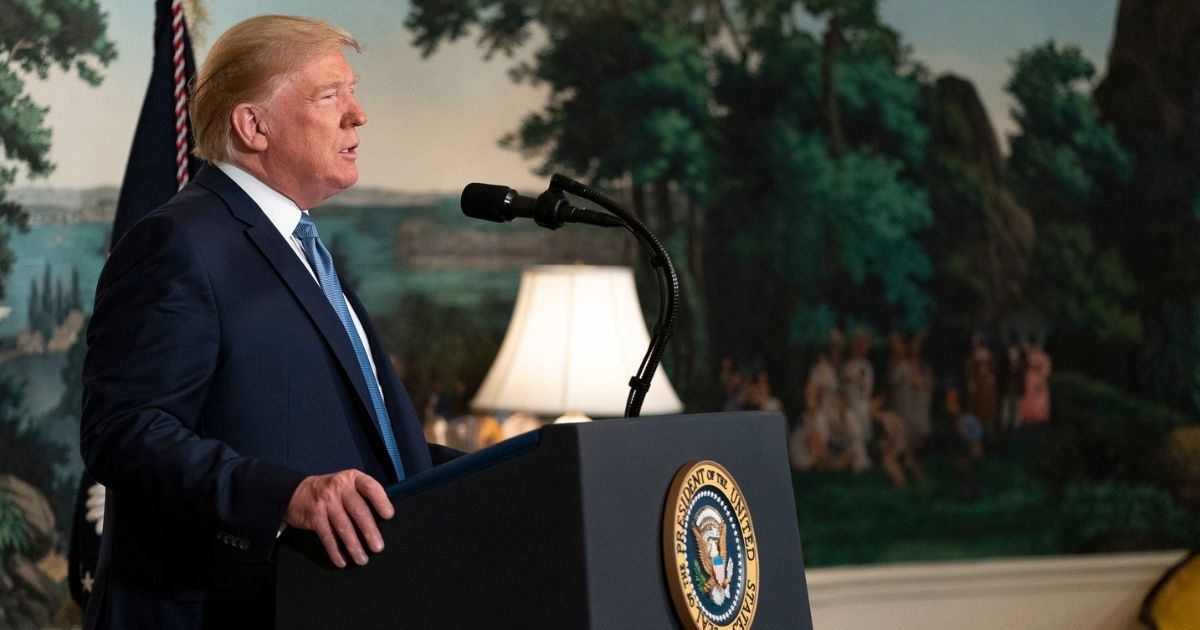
434 123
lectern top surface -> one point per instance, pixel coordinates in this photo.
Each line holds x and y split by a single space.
465 465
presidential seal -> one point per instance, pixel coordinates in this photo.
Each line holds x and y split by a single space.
709 549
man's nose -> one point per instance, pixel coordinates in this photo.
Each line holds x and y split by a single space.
355 116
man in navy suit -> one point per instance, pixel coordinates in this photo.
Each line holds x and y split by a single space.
232 387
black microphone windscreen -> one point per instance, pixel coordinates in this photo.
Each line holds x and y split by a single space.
485 201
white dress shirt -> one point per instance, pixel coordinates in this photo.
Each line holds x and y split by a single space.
285 216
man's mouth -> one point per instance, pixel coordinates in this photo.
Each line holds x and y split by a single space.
351 149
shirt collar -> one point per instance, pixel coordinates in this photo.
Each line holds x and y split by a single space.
283 212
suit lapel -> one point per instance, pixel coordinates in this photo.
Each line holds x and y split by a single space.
277 252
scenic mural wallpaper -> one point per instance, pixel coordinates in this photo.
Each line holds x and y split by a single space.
955 243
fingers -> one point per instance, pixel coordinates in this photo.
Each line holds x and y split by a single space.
369 488
364 521
329 541
308 510
345 531
337 507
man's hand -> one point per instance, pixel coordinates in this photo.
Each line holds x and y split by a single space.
335 507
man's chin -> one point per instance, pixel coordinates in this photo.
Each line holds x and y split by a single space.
331 189
345 182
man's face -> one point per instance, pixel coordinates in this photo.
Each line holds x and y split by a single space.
312 132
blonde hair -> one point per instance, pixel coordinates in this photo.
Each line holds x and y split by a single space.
247 64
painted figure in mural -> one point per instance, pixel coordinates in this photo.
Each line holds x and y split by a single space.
858 383
837 348
1035 401
824 384
846 448
1013 386
895 452
759 396
981 381
808 443
733 386
843 443
910 382
898 389
725 377
233 387
968 443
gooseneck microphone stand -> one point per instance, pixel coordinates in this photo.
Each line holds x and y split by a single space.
668 287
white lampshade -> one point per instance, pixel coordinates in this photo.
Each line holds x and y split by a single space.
576 337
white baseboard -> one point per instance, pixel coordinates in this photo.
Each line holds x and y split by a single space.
1092 592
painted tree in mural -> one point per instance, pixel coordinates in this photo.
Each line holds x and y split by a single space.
1064 162
34 38
1063 154
810 152
50 303
823 142
628 107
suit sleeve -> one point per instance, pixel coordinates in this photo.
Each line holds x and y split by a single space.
153 347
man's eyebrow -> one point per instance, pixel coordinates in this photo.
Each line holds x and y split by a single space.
332 85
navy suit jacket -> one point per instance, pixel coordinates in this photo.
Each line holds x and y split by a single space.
217 377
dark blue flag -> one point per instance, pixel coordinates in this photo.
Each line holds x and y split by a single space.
151 175
160 161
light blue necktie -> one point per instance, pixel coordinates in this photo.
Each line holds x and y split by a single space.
322 264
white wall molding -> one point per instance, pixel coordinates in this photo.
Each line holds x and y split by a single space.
1092 592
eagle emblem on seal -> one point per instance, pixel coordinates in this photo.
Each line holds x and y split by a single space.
709 549
709 530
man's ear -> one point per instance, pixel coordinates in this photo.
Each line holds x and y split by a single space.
249 128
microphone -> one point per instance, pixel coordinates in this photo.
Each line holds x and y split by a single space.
550 209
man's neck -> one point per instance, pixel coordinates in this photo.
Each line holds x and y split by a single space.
258 170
